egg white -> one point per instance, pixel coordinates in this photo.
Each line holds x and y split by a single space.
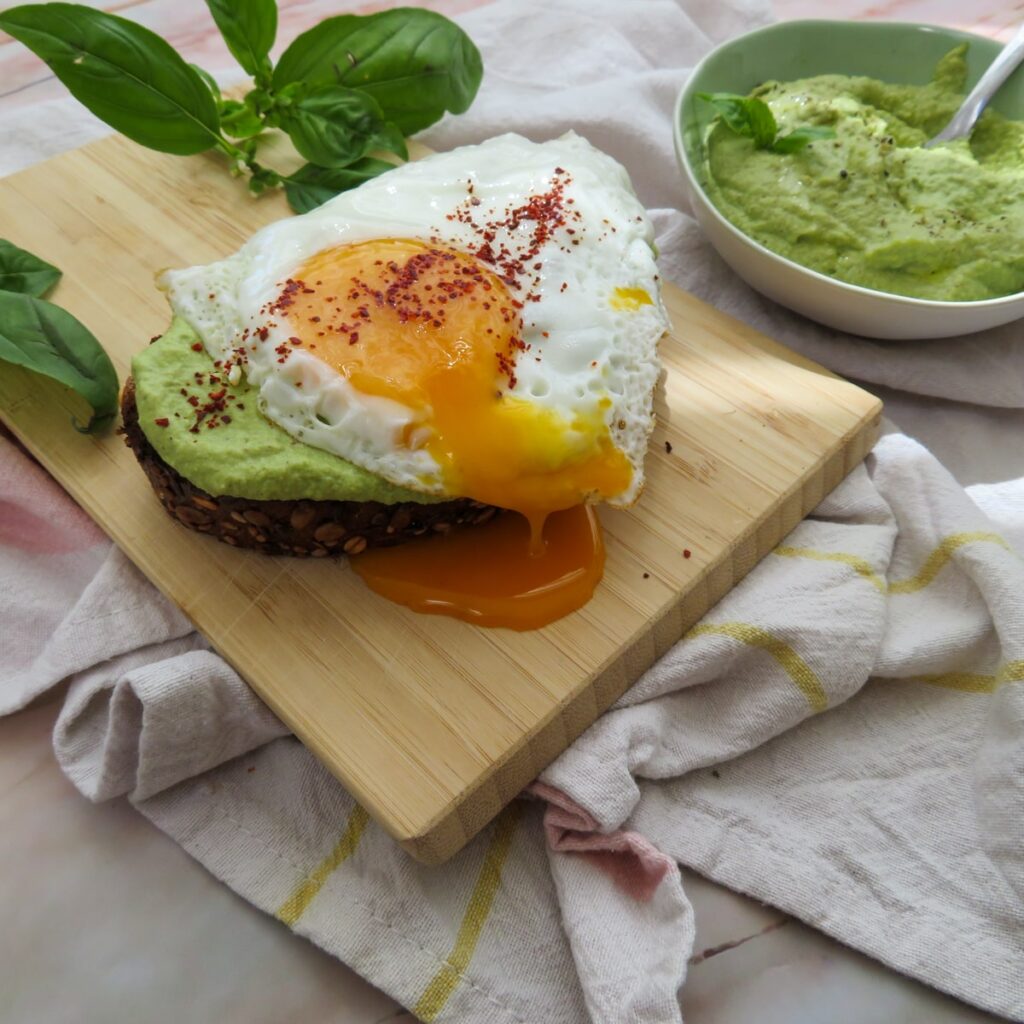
584 346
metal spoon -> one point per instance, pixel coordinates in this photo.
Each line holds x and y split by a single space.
988 85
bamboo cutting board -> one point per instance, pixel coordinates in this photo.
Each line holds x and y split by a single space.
432 724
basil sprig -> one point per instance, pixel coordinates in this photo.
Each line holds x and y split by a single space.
43 337
350 85
753 119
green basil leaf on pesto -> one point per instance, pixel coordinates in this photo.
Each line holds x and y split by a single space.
795 140
332 126
43 337
415 63
20 271
249 28
125 74
733 110
753 119
310 186
763 128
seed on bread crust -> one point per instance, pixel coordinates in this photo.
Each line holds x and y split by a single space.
301 528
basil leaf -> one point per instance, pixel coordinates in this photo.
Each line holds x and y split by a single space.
391 140
800 137
211 82
45 338
310 186
249 27
762 123
332 126
416 64
732 109
125 74
20 271
263 178
751 118
239 120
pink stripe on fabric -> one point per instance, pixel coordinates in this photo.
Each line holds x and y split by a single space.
36 514
633 863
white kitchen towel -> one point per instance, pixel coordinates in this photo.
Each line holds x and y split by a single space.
841 736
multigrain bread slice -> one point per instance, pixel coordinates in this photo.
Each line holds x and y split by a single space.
301 528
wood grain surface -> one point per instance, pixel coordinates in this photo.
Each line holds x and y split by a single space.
431 723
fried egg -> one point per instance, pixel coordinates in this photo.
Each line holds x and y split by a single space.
481 323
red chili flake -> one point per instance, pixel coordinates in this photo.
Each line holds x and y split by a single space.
687 552
163 421
295 341
197 346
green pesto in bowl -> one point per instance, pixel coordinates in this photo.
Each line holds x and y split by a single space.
871 206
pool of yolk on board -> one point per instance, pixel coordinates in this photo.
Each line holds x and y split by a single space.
488 575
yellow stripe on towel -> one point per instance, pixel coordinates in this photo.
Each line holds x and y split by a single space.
933 564
861 566
796 668
443 984
937 560
973 682
295 906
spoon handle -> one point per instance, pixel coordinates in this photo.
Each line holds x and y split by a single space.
988 85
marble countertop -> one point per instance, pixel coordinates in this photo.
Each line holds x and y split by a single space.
108 920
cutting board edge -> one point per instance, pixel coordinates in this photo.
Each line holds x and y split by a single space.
470 811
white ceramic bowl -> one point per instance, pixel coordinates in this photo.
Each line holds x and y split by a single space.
797 49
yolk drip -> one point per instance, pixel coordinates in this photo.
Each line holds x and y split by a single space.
482 575
441 333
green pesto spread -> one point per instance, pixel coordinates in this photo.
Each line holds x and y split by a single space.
243 454
872 207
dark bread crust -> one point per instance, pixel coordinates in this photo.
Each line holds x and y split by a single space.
302 528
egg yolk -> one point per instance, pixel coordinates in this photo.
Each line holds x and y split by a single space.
439 332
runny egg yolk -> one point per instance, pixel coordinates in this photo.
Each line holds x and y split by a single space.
439 332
